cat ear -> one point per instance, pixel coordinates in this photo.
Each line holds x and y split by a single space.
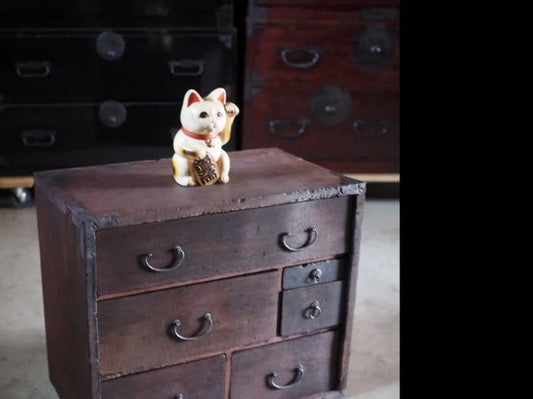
219 94
192 97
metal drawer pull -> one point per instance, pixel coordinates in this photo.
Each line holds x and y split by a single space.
315 275
313 311
203 331
299 375
179 396
306 53
311 237
33 69
38 138
274 124
179 256
186 67
380 127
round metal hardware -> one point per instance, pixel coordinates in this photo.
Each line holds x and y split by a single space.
179 396
206 318
299 370
312 234
179 257
330 105
315 275
110 45
313 311
375 47
112 113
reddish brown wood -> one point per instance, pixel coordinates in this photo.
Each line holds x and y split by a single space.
297 307
202 379
317 353
241 241
338 144
134 331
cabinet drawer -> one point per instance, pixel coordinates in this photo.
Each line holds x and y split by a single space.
362 56
307 364
60 126
141 332
143 66
327 123
202 379
314 273
311 308
251 239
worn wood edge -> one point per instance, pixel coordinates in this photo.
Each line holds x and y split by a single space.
345 186
375 177
12 182
344 357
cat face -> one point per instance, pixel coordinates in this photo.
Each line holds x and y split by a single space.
204 116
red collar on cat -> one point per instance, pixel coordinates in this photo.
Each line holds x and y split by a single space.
197 136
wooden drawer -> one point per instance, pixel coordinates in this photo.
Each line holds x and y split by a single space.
252 370
310 308
363 55
246 240
102 65
202 379
125 13
59 126
326 123
314 273
139 332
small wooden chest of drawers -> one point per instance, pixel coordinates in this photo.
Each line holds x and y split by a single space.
242 290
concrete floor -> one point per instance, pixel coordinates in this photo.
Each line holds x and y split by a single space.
374 365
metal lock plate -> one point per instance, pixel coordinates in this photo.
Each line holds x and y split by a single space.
375 47
330 105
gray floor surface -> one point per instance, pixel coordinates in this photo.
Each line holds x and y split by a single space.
374 363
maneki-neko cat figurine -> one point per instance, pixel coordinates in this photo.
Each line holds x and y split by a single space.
205 127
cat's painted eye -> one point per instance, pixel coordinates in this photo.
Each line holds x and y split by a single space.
220 114
204 114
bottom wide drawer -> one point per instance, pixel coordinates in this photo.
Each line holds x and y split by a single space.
202 379
286 370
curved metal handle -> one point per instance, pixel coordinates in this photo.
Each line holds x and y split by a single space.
186 67
311 53
312 234
381 127
38 138
179 396
179 257
313 311
203 331
33 69
299 375
274 124
315 275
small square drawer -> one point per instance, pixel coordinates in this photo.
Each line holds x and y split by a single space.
202 379
290 369
154 254
311 308
314 273
152 330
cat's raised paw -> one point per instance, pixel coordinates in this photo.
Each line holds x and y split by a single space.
231 109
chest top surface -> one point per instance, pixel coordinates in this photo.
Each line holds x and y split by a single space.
144 192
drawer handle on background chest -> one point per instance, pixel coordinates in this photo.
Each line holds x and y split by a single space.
313 311
186 67
203 331
179 396
310 54
274 124
311 237
371 128
38 138
315 275
33 69
299 375
179 256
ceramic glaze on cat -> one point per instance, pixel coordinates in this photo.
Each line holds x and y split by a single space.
205 127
